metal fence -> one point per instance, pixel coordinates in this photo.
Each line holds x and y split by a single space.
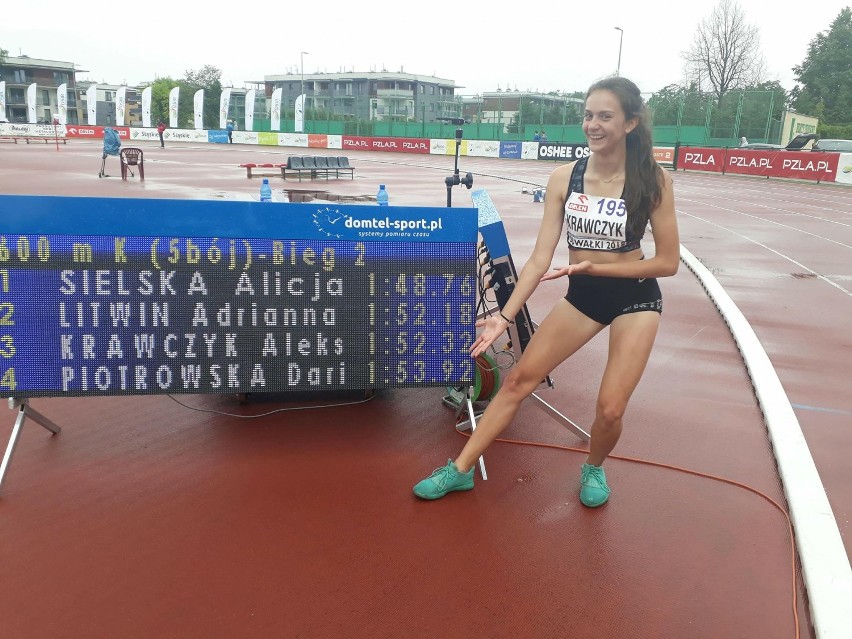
690 118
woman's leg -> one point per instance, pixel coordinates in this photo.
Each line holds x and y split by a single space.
560 335
631 338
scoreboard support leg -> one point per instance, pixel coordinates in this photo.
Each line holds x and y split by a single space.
559 417
472 418
24 411
541 403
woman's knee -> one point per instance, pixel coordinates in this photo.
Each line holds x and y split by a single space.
610 410
518 385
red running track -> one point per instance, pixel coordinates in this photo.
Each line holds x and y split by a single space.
147 518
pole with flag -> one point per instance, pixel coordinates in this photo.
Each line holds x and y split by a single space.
92 104
31 103
224 105
198 104
174 96
146 107
250 96
120 106
275 120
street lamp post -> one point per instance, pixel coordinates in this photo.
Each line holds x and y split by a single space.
620 39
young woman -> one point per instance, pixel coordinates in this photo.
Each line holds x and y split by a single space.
606 201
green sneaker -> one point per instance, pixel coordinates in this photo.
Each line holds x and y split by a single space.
593 489
444 480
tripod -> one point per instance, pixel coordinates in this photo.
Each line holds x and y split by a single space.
455 178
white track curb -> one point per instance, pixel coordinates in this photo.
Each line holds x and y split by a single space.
825 566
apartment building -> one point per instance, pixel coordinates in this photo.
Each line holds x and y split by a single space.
374 95
18 73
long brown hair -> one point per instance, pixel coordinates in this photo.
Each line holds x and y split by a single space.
643 178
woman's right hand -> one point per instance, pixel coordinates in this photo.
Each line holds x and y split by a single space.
493 327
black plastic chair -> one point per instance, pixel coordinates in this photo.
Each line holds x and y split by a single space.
322 165
333 165
343 161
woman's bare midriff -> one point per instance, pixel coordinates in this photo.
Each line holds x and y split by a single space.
576 256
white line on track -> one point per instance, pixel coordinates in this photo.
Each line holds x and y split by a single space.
772 250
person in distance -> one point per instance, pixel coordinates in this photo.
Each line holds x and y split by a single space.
605 200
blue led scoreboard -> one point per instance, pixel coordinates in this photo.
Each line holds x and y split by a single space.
115 296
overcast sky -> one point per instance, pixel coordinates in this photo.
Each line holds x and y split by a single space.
537 45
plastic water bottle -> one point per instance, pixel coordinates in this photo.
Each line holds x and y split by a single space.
265 191
382 196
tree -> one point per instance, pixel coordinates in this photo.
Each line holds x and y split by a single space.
725 53
826 74
160 99
208 78
3 54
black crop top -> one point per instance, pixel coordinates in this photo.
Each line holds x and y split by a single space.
596 223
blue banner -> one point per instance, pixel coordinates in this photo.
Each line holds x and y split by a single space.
510 149
38 214
217 137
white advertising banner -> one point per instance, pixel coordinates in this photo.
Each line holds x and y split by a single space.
224 105
32 130
144 133
844 169
146 108
120 106
3 117
31 104
92 104
483 148
300 114
275 118
174 95
198 109
62 102
188 135
250 95
292 139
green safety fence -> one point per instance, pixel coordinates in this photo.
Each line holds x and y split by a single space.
689 118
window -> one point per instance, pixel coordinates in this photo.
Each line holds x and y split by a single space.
20 76
16 96
108 96
45 97
422 89
60 76
432 90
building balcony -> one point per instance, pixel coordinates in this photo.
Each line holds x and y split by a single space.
395 94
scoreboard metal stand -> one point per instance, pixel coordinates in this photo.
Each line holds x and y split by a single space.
24 411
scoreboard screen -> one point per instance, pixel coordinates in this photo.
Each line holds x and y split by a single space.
115 296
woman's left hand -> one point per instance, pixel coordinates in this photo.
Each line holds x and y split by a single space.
571 269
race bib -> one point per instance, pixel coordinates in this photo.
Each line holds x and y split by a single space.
597 223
